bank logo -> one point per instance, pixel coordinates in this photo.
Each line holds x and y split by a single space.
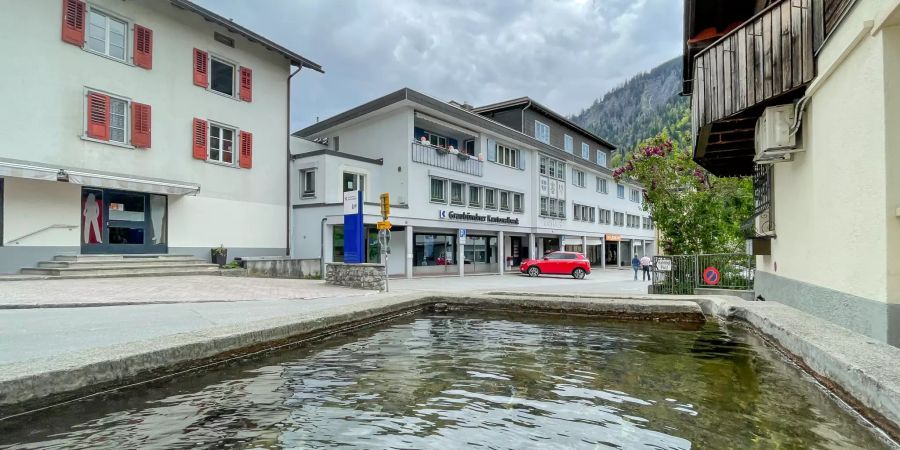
442 214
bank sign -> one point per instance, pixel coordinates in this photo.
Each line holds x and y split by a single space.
470 217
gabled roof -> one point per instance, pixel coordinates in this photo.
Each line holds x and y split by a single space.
229 25
529 102
456 112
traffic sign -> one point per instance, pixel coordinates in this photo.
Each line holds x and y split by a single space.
383 225
711 276
385 205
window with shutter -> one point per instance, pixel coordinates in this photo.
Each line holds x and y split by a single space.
98 116
73 21
198 139
143 47
140 125
201 68
246 84
246 157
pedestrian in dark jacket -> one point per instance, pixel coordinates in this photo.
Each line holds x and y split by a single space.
635 265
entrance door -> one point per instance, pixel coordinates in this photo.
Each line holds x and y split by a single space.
123 222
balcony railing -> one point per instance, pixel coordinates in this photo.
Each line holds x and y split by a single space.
764 61
440 157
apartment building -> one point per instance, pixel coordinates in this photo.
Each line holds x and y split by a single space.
802 96
449 169
141 127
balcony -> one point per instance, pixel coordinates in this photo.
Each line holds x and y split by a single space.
767 60
441 157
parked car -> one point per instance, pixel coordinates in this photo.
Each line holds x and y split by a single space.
557 263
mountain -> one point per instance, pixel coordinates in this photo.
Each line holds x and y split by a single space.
640 108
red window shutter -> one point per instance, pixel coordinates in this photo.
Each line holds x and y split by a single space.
140 125
199 138
143 47
246 84
246 156
98 116
73 21
201 68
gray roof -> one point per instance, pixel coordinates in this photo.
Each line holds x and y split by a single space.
446 108
533 104
229 25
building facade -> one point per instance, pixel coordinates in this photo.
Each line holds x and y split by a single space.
448 168
827 225
141 127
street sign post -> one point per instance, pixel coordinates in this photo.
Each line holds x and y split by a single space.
384 234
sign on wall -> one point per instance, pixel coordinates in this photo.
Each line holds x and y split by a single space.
475 217
613 237
354 232
664 264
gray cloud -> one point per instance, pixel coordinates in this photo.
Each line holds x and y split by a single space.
563 53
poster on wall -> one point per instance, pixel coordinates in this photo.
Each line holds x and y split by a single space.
91 217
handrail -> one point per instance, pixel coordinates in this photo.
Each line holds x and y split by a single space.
49 227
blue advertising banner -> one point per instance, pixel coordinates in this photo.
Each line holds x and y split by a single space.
354 232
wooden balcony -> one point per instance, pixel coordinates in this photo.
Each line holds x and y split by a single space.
768 60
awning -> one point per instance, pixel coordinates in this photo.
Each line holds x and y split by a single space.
571 240
37 171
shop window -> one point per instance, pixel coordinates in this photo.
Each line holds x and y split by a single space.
354 182
337 244
308 183
438 190
518 203
475 196
504 201
490 198
457 195
434 250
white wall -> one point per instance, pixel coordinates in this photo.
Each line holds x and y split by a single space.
50 78
30 205
830 203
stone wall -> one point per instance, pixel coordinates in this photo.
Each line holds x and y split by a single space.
281 267
360 276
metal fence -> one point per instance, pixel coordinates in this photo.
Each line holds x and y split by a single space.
438 157
681 274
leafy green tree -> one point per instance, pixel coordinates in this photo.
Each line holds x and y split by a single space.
616 160
694 211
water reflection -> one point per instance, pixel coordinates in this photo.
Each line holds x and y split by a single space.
456 381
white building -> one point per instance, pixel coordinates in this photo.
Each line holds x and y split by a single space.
516 196
827 224
140 127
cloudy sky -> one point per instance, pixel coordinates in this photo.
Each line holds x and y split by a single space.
563 53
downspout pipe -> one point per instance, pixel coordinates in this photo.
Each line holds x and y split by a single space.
322 248
288 200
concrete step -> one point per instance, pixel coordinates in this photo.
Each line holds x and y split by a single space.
74 257
156 269
123 263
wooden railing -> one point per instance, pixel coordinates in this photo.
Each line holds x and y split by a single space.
769 55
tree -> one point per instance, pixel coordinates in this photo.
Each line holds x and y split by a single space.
616 160
694 211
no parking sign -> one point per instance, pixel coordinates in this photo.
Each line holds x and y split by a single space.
711 276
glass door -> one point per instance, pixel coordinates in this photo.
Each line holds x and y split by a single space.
123 222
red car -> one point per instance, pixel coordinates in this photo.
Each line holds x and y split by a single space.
557 263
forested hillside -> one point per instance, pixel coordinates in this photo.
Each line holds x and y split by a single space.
641 108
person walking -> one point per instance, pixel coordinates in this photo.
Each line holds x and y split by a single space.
645 265
635 265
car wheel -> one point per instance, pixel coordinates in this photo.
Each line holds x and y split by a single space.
578 273
533 271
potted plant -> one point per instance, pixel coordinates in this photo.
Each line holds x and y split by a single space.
441 150
219 255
